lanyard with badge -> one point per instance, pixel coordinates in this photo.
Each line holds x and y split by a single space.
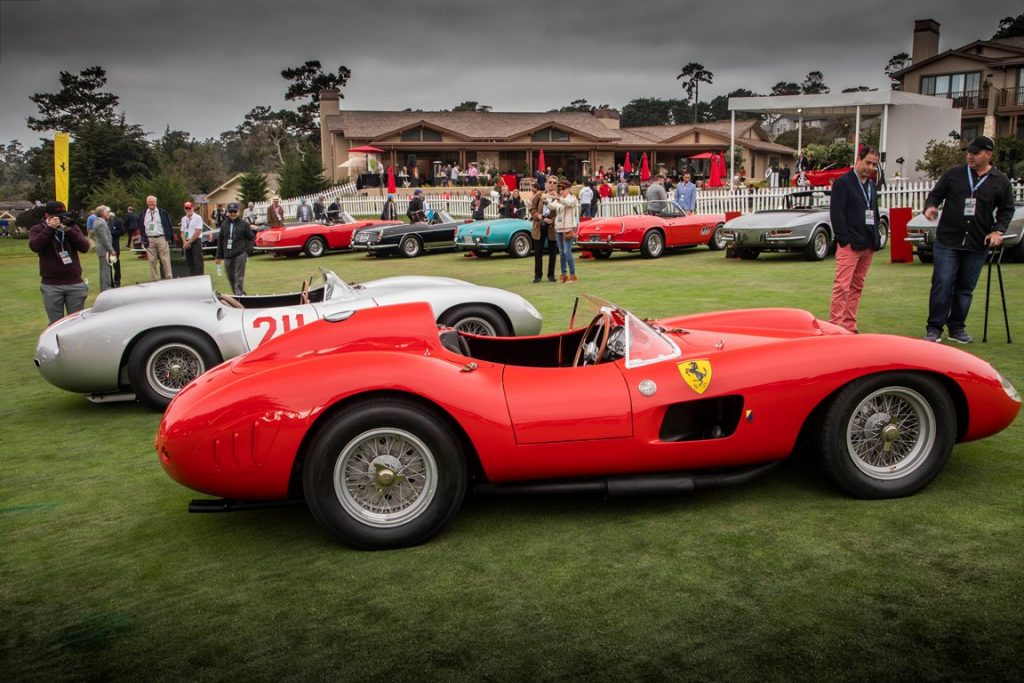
971 204
869 215
231 235
58 236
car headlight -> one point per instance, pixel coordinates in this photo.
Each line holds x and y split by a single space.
1008 387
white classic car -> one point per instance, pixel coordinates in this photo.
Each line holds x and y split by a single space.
921 233
148 341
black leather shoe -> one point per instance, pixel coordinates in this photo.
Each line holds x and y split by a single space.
536 280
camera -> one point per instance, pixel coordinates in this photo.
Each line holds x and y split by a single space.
67 219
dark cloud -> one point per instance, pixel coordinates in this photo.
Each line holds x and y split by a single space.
201 66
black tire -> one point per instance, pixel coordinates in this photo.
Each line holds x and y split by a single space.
748 253
887 435
925 256
818 246
653 244
315 247
476 319
717 241
602 254
520 245
383 474
410 247
163 362
883 229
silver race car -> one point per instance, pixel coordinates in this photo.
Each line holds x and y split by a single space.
148 341
921 233
803 225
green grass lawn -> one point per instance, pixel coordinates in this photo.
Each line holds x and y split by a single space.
104 575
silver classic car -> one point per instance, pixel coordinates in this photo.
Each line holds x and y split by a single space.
803 225
921 233
148 341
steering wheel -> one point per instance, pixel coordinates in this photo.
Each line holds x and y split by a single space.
304 296
594 341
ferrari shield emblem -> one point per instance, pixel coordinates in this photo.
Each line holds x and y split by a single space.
697 374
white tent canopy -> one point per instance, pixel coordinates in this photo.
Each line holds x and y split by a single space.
933 115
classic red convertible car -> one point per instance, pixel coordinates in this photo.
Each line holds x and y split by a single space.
381 421
313 238
651 234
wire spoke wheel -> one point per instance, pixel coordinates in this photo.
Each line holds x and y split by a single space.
172 366
385 477
890 433
477 326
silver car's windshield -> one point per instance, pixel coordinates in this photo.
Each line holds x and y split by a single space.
336 289
640 343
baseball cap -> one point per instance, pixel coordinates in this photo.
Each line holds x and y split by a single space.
233 206
188 205
417 191
54 208
981 142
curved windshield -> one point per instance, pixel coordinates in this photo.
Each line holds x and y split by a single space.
345 218
335 289
644 344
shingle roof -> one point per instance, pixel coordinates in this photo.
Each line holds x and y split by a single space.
472 125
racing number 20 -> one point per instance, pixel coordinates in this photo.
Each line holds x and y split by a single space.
288 323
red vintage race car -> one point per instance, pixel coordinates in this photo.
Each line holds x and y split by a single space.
315 239
380 420
652 233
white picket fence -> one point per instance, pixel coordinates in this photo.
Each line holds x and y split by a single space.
747 200
291 204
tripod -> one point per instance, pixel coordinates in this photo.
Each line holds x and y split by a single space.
995 256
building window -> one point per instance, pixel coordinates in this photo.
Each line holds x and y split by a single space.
952 85
969 133
550 135
421 134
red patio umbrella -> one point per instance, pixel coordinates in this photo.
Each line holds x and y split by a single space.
541 166
368 149
702 155
717 171
645 169
392 188
628 166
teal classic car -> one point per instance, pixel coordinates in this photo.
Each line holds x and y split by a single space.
483 238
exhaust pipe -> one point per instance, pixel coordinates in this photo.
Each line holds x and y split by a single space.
672 483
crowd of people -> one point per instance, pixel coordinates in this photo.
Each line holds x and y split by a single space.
976 201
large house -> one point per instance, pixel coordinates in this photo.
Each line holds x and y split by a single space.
984 79
578 143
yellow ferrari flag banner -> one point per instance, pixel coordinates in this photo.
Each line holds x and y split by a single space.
60 167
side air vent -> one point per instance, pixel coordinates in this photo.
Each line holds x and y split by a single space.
707 418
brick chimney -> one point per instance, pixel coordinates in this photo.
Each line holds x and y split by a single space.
926 40
330 105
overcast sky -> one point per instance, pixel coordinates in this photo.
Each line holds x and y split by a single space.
200 66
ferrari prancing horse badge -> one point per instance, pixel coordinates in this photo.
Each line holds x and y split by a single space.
697 374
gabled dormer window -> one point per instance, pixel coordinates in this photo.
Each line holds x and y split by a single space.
421 134
550 135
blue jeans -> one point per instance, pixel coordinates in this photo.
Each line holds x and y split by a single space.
954 276
565 253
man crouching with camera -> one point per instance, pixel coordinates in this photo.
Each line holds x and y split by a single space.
58 241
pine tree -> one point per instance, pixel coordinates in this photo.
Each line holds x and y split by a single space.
252 187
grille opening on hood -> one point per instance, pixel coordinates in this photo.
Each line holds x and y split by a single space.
706 418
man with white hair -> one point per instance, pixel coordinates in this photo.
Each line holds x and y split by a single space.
157 235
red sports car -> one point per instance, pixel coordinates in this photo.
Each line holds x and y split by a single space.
313 238
381 421
823 178
652 234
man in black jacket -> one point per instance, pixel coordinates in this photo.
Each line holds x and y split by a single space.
416 212
853 210
977 205
234 243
